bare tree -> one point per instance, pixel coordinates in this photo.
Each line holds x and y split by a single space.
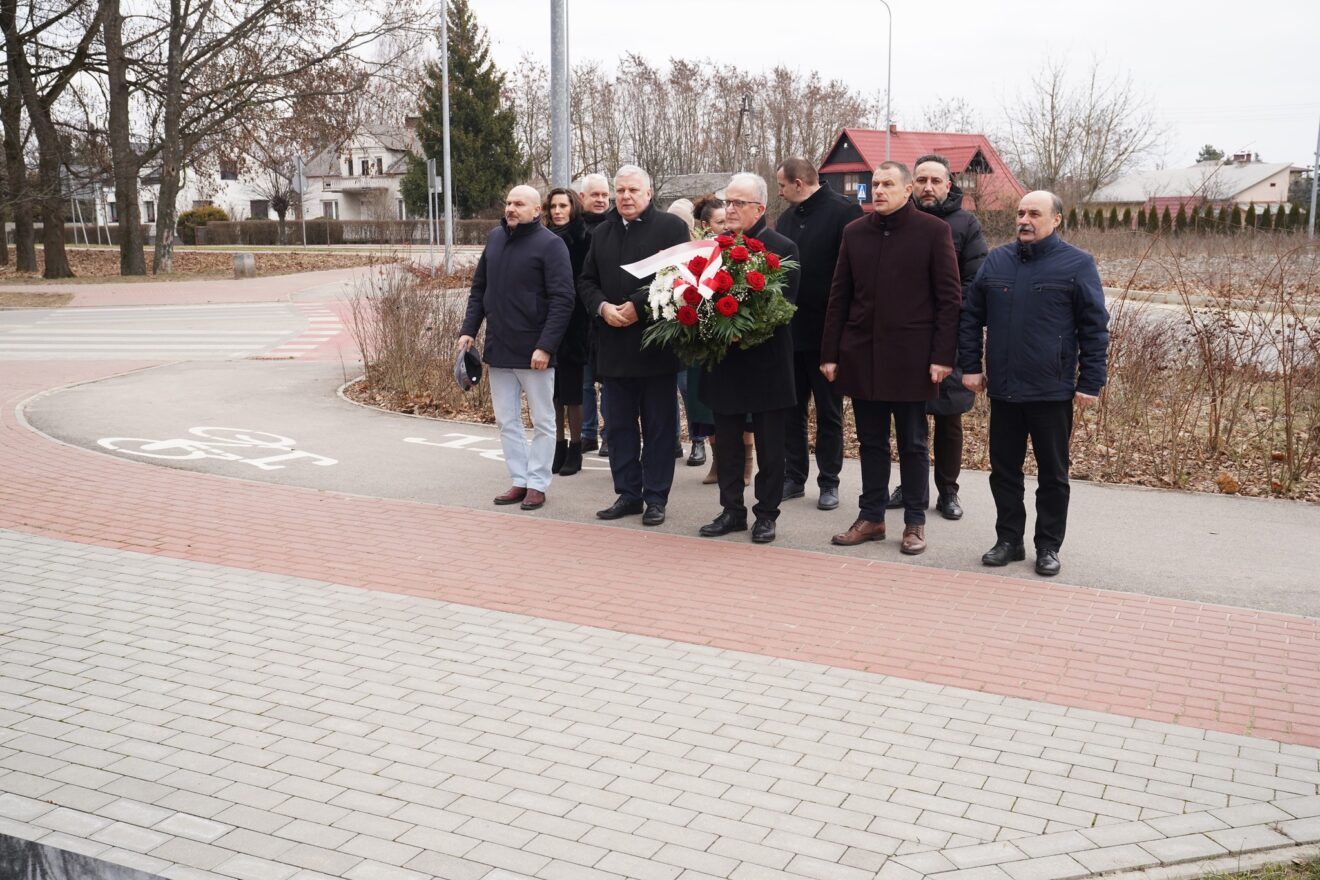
955 115
527 88
1073 139
18 194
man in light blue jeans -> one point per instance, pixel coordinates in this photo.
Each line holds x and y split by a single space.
523 290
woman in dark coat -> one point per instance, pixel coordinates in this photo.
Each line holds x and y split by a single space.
563 217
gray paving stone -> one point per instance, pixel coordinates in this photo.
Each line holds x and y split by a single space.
1056 867
1248 838
1115 858
1187 848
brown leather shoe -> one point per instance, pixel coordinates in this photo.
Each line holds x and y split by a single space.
533 499
914 540
860 532
513 495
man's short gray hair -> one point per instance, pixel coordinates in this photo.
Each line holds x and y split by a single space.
588 179
755 181
632 171
1056 203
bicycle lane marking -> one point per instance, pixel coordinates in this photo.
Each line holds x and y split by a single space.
216 443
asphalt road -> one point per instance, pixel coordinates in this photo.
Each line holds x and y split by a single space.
1254 553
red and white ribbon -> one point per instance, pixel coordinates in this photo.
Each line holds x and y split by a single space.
678 257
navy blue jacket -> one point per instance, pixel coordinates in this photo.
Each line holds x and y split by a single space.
523 290
1047 329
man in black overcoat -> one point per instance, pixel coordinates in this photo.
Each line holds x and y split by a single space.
755 383
636 383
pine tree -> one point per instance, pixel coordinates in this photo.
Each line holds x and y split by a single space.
1281 217
1153 219
1099 219
484 158
1113 218
1141 218
1251 216
1264 220
1180 219
1295 217
1210 224
1234 220
1127 218
1072 219
1166 220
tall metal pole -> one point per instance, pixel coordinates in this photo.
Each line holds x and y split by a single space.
444 115
1315 177
559 141
889 80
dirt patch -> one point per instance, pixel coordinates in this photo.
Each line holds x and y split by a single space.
19 299
101 265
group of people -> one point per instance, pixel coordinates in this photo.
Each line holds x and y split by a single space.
903 310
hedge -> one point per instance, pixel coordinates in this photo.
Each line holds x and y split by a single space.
322 231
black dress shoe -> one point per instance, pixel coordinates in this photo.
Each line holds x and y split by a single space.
793 490
620 508
678 448
829 498
723 524
1003 553
948 505
654 516
590 444
697 457
763 532
1047 563
895 500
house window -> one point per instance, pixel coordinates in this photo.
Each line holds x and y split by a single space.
403 211
259 209
366 167
114 212
148 212
380 167
330 210
228 169
348 166
849 184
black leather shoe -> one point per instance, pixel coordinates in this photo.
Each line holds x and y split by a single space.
1003 553
654 515
590 444
895 500
763 532
620 508
723 524
697 457
829 498
1047 563
948 505
793 490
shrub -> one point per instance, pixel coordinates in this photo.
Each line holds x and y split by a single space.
189 220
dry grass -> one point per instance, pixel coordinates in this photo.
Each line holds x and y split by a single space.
21 299
1297 869
101 265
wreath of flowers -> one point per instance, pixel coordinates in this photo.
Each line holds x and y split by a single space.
731 292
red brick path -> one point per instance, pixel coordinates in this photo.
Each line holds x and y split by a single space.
1208 666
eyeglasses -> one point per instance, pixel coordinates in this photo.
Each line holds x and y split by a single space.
738 203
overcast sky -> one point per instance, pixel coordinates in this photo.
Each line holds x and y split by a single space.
1239 75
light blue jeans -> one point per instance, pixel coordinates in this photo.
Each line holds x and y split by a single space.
528 464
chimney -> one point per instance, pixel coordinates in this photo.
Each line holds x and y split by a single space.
893 126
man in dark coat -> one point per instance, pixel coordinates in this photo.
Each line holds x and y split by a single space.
1042 308
637 383
890 337
815 224
594 198
755 383
934 192
523 291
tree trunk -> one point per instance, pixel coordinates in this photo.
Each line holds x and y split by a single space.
55 258
16 175
126 163
171 152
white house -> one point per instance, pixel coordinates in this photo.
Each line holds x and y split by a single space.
1242 181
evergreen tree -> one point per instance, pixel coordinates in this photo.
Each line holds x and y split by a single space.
1295 217
1210 224
1141 218
1072 218
1251 216
484 158
1127 218
1264 220
1166 220
1153 219
1209 153
1099 219
1180 219
1113 218
1234 220
1281 217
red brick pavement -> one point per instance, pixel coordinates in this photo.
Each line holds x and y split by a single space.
1218 668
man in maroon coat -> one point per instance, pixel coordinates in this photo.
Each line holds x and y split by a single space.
891 333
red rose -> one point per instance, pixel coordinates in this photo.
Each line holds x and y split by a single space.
755 280
691 296
723 282
726 306
771 260
687 316
724 240
697 264
739 254
754 245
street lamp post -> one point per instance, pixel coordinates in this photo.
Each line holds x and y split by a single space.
889 78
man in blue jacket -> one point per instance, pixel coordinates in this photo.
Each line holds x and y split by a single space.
1042 308
523 289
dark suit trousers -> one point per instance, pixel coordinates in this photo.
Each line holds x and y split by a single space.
730 460
829 424
872 419
641 472
946 449
1049 425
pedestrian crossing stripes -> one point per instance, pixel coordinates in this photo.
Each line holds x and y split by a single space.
324 325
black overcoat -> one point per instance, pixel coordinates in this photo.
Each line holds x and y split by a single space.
576 344
893 307
619 351
816 227
761 378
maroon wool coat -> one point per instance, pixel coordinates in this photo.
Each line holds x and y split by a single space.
893 307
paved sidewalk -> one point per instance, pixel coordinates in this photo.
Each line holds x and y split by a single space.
326 285
197 721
